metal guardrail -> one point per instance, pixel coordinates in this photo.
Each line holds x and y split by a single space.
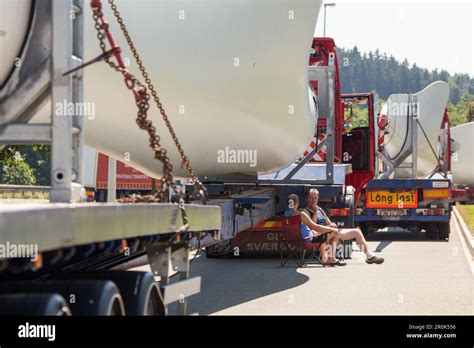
24 188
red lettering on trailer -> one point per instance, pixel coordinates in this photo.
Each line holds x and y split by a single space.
128 178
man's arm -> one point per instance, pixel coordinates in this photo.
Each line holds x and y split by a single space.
332 224
305 219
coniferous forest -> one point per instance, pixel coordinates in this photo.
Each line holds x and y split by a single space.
364 72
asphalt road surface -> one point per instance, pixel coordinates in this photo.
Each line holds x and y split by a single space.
418 277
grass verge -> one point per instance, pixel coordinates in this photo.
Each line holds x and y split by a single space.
24 195
467 213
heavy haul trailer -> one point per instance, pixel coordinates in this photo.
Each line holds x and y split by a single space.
463 160
62 257
350 167
320 167
414 204
385 197
73 249
254 211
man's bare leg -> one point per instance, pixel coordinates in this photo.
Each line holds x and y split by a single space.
356 233
322 250
332 242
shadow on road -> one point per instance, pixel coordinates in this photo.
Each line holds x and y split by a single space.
230 282
398 236
382 245
386 238
235 281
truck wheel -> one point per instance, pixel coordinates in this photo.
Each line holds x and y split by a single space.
85 297
33 304
140 292
221 250
444 230
93 297
431 231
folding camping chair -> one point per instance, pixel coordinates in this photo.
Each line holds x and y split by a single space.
290 241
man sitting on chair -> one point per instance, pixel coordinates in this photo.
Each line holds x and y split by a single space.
320 234
317 214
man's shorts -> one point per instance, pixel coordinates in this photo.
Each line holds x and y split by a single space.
320 239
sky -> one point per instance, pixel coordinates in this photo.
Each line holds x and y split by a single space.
432 34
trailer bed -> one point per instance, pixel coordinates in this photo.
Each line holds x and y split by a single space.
60 225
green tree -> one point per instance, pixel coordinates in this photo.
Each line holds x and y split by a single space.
376 71
458 113
37 157
15 171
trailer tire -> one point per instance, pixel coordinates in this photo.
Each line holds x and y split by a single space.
431 231
444 230
219 251
140 292
26 304
85 297
96 297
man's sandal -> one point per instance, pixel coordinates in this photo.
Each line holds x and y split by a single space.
328 264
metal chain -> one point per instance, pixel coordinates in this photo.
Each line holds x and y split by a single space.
199 188
429 143
142 101
142 98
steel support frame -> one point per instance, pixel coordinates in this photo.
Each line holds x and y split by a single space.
167 259
409 149
26 134
64 133
328 141
375 108
111 180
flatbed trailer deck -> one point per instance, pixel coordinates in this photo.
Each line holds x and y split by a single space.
76 246
60 225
